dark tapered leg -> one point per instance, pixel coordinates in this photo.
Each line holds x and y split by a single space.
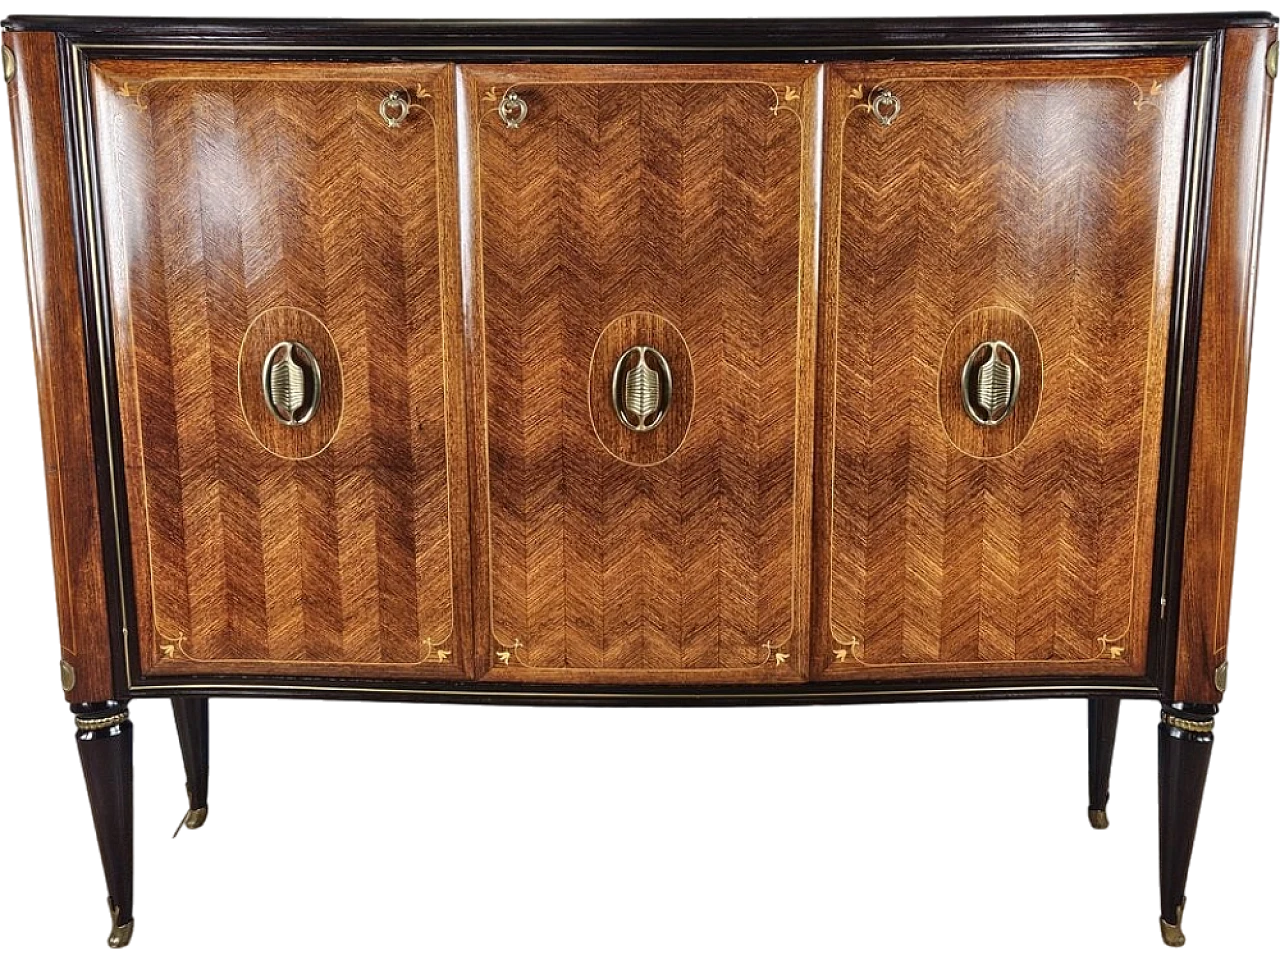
104 736
191 714
1186 740
1104 714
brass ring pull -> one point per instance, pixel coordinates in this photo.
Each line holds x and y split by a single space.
291 383
513 110
885 107
394 108
989 383
641 390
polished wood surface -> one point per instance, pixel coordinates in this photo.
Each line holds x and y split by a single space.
246 204
56 322
1222 377
1033 202
683 193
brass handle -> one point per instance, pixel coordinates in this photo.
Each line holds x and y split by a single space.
291 383
394 108
885 107
641 390
513 110
989 383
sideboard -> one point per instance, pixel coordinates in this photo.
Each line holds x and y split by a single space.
671 362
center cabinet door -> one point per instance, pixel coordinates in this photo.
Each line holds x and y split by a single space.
642 325
283 253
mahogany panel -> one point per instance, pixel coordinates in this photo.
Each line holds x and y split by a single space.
57 330
249 203
1226 332
1033 202
671 203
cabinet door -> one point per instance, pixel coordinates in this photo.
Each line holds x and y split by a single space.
283 256
1017 220
624 207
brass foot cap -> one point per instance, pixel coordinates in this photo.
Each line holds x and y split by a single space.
1172 933
121 934
1098 819
191 822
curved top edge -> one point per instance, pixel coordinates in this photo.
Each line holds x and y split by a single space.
722 33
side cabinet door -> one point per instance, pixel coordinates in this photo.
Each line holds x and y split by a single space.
642 324
282 247
995 310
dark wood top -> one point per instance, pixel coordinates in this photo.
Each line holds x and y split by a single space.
656 35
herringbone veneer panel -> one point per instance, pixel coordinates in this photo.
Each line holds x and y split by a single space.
240 196
684 194
1002 197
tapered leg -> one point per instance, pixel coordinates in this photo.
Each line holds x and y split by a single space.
104 737
1186 741
1104 714
191 714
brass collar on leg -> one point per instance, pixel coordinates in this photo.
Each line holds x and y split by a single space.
1190 726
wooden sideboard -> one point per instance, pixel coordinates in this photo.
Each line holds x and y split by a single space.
703 362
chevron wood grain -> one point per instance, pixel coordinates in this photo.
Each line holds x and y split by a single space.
1042 191
684 194
247 198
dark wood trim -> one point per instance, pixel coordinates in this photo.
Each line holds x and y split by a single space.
811 34
1180 366
99 354
525 694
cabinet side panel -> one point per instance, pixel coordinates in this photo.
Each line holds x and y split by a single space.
1226 327
44 194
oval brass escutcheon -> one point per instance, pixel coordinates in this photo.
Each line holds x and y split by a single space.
990 380
989 383
291 382
641 388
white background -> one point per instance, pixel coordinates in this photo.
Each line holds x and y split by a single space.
484 832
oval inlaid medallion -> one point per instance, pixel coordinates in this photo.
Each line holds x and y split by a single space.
989 382
281 342
640 388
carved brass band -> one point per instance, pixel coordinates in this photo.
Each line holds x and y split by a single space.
1188 726
641 388
291 383
885 107
97 724
513 110
989 383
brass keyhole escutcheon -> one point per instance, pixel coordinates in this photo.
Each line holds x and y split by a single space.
291 383
989 383
641 388
885 107
394 108
513 110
